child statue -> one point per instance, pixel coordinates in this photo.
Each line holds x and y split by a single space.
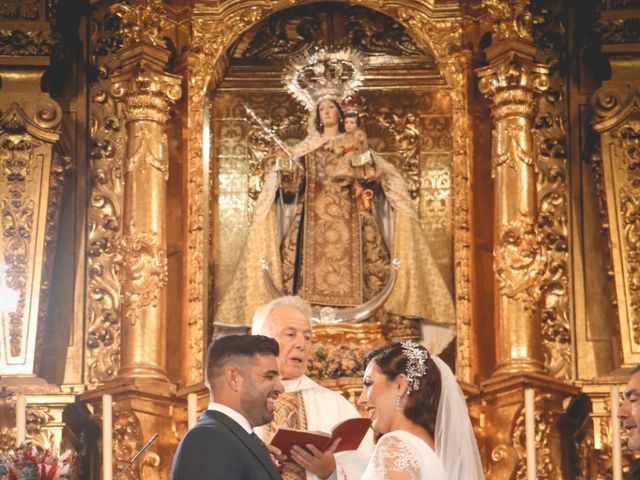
358 165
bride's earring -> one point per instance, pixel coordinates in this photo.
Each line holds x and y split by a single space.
398 401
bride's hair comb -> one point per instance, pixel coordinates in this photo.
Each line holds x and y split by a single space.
417 357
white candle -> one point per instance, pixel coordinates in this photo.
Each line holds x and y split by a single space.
530 431
107 439
21 419
616 447
192 409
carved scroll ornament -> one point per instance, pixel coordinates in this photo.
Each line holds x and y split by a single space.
550 147
611 105
143 272
105 227
520 261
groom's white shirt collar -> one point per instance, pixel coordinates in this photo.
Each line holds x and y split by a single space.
234 415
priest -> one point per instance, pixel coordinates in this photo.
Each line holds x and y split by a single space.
305 404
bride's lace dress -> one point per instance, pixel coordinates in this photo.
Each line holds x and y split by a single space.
400 455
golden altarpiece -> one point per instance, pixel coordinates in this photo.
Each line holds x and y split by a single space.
128 171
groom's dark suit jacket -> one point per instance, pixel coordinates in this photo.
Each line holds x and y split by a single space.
217 447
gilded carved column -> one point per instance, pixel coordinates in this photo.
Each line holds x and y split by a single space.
144 400
511 82
147 93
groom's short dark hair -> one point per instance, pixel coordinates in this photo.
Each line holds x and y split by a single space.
240 349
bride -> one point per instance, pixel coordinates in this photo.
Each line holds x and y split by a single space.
416 404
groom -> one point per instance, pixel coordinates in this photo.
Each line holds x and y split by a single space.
243 380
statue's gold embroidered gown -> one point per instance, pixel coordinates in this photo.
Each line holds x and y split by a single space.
333 252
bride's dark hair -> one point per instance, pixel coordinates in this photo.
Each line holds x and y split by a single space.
318 124
422 404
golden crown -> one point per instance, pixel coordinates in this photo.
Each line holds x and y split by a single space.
321 74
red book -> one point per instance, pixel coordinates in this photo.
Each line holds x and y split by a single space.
351 431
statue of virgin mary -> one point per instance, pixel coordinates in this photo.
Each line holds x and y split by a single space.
320 240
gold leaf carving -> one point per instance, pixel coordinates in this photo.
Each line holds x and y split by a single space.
627 139
141 22
504 458
149 153
520 261
147 94
16 216
377 34
285 34
512 19
613 105
618 30
544 423
553 210
127 439
105 225
19 9
143 272
511 85
39 417
21 42
294 29
599 184
106 35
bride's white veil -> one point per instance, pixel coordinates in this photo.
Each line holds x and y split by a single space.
454 439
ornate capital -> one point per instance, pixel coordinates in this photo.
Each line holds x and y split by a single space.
511 84
143 272
512 19
147 93
520 261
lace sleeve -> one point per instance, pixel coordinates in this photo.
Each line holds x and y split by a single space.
394 460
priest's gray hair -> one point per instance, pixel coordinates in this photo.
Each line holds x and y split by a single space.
260 325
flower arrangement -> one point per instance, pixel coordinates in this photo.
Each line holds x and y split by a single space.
31 462
335 361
